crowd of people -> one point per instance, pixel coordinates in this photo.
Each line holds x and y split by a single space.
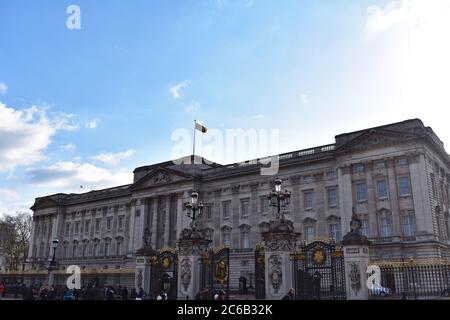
87 292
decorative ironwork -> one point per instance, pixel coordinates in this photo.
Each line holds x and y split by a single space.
318 271
164 273
215 271
411 279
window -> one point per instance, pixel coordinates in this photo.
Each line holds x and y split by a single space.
96 249
121 223
85 246
382 189
264 204
74 250
308 199
361 194
380 164
333 231
245 239
386 225
408 225
403 183
67 229
331 173
86 226
119 248
331 197
365 226
65 252
108 224
402 162
107 248
310 232
77 227
359 167
307 178
244 208
226 237
226 210
209 213
97 225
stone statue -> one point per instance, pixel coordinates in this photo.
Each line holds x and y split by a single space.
355 223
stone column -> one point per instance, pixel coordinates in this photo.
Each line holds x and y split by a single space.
345 195
192 246
356 260
154 229
279 243
167 221
180 213
131 227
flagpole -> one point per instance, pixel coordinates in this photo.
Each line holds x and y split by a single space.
193 146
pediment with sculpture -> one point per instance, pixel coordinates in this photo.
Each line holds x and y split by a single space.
158 177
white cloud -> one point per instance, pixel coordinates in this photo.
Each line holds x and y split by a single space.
9 194
69 176
304 98
3 88
113 158
175 90
25 134
93 123
192 107
409 12
69 147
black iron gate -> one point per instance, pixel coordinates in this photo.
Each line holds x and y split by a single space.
260 273
318 271
164 274
215 271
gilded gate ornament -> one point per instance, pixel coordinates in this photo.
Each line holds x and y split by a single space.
221 271
166 263
319 255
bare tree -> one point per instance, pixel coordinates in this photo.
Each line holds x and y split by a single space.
15 232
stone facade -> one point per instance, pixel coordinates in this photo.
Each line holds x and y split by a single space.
396 177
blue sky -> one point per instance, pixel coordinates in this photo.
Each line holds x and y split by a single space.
85 107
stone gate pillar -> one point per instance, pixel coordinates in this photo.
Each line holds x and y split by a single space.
279 243
356 260
192 245
142 274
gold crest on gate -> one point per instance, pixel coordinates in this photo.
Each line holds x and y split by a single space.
166 263
319 256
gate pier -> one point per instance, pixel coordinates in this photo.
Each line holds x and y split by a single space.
192 246
279 242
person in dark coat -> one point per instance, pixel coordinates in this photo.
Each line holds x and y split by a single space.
290 295
133 294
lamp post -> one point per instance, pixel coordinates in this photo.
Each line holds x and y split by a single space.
194 209
279 199
54 247
52 265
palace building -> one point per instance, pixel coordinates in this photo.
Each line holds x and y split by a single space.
395 177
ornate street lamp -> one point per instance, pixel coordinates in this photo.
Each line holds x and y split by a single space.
194 209
279 199
54 247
